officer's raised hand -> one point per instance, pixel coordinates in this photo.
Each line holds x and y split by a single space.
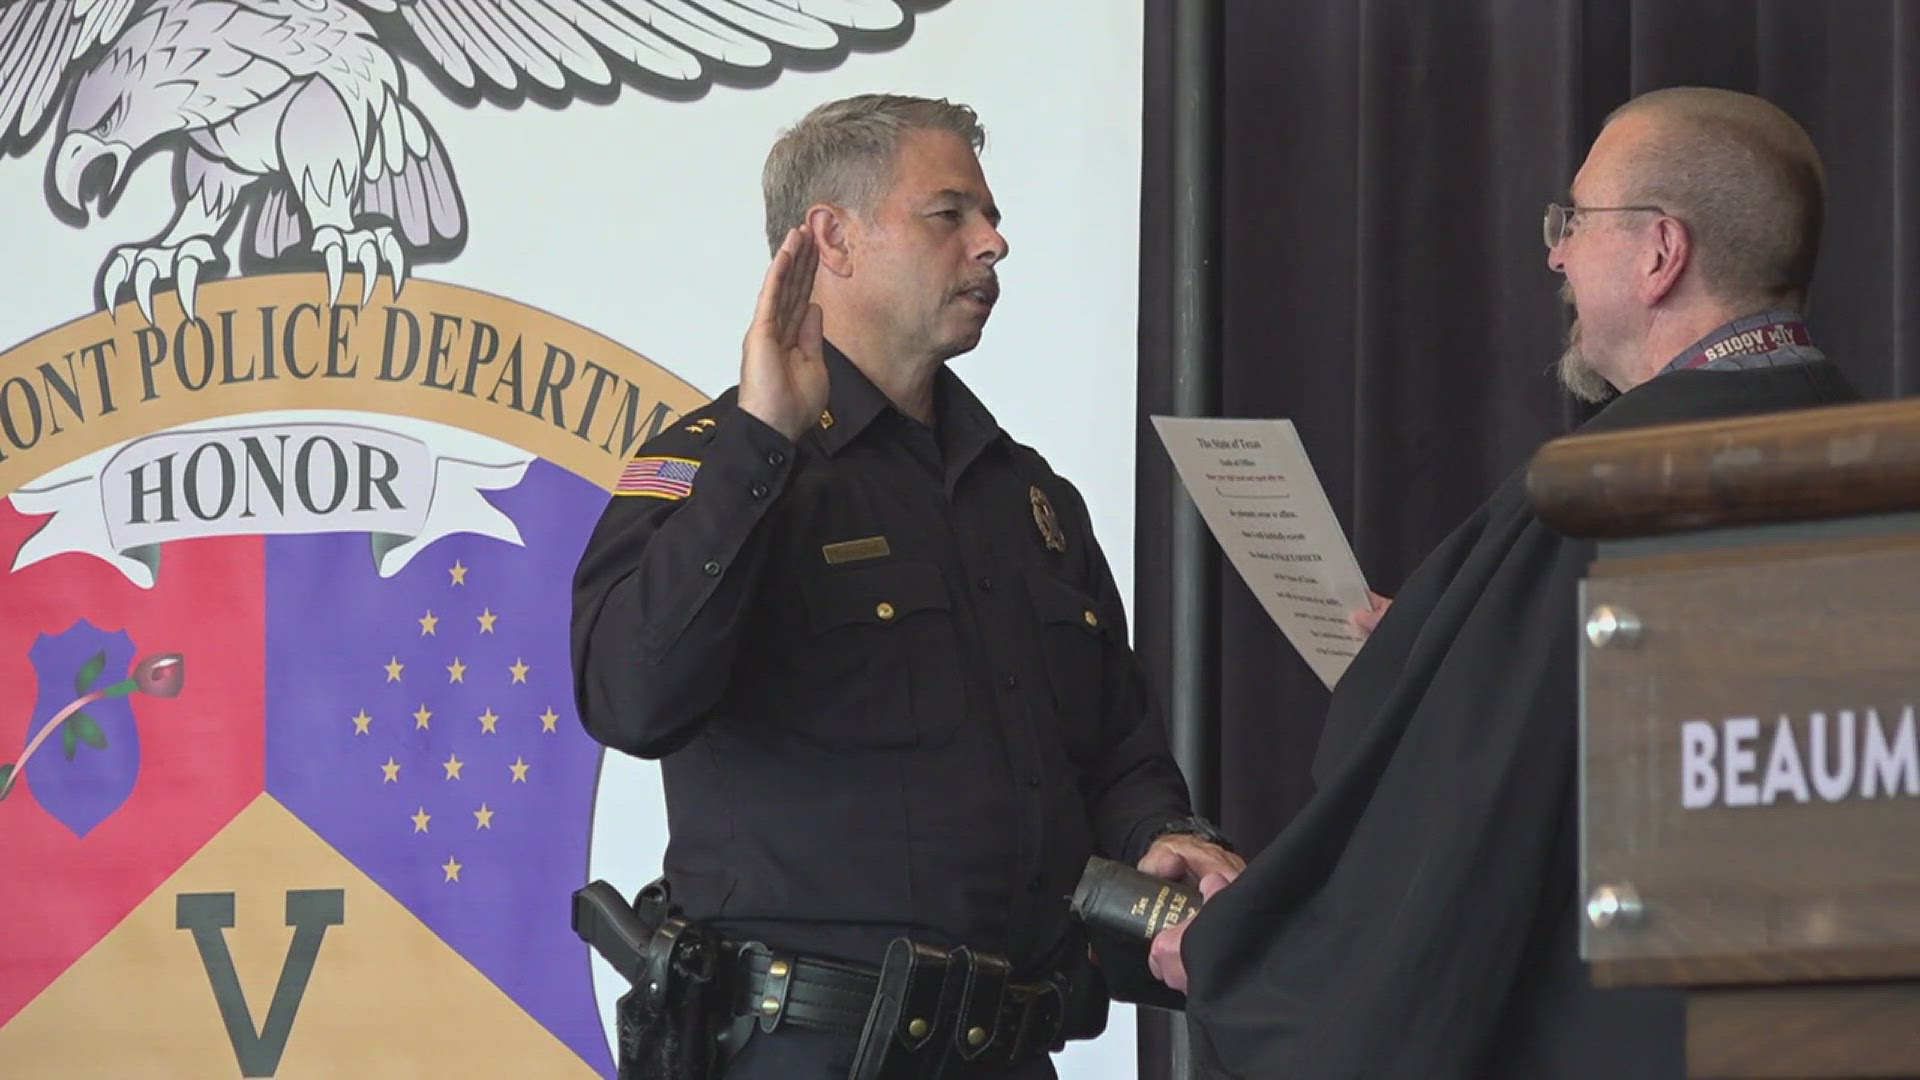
783 376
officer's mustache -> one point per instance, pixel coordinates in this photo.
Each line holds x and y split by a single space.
986 288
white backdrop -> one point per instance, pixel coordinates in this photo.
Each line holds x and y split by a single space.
641 220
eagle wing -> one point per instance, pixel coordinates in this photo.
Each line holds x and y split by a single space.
518 44
41 43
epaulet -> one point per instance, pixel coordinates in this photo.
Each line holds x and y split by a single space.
665 467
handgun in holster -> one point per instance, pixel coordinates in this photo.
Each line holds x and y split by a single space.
672 966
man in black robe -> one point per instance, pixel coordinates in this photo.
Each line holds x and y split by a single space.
1419 917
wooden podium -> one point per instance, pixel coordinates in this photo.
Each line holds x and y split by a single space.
1750 682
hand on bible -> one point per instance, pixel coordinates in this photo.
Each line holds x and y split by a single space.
1185 857
783 372
1163 957
1365 621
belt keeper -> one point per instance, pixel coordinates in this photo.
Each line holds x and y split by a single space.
773 995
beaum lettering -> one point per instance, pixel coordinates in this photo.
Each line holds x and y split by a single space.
1822 757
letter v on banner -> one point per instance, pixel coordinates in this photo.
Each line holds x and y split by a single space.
208 915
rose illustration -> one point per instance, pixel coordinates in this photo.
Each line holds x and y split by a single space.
99 759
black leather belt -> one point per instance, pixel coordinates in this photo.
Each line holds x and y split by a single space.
968 1001
818 995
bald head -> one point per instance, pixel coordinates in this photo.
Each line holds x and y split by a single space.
1742 175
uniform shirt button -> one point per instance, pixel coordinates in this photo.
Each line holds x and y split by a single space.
712 569
1033 781
777 458
759 491
986 584
1011 682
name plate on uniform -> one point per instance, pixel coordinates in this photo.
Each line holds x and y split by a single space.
1750 762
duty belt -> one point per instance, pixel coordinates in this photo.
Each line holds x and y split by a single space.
921 997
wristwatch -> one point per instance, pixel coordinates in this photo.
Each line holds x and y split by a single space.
1193 825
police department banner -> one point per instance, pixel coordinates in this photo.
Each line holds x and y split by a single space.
329 325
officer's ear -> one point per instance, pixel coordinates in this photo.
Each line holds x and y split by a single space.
833 230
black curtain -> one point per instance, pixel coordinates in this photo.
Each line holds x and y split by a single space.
1385 166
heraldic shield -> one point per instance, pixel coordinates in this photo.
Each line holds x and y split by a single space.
291 779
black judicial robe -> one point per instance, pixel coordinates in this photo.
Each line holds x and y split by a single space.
1419 917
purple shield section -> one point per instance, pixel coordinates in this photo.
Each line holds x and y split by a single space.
423 724
81 791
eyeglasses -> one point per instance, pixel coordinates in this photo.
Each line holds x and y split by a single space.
1558 223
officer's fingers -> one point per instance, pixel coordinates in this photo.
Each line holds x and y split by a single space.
1164 861
1226 872
810 339
766 310
1213 883
806 261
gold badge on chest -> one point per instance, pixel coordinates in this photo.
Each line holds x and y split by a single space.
1047 521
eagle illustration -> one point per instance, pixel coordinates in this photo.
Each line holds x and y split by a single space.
297 109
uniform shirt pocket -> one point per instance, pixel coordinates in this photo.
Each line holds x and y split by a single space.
879 656
1074 634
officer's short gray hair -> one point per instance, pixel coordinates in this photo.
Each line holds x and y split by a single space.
843 152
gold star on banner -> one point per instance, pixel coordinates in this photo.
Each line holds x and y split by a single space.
519 768
420 819
487 720
547 719
519 670
453 765
360 722
459 573
394 667
428 622
456 671
483 817
452 868
487 618
421 715
391 770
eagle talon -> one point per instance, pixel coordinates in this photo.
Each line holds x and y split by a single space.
146 265
367 247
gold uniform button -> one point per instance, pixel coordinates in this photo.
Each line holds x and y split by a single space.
976 1036
1092 619
777 969
917 1028
884 610
770 1006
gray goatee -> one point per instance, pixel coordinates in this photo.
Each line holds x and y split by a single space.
1577 374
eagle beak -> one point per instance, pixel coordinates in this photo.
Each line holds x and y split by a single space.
77 177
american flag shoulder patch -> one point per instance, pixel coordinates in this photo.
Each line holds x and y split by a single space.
658 477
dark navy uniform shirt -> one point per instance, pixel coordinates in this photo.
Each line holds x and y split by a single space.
886 673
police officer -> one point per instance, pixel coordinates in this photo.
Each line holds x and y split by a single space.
869 636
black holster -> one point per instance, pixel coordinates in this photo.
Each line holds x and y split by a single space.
665 1021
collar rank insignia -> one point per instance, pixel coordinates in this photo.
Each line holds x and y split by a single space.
1047 521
